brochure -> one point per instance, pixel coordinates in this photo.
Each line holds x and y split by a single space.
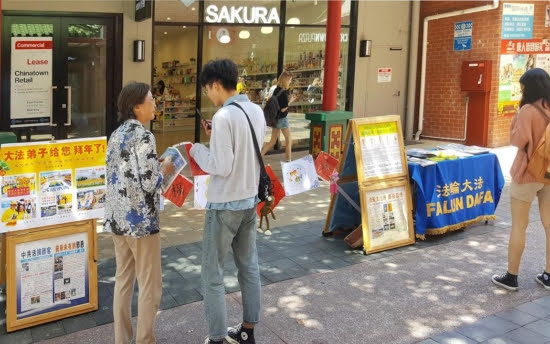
299 175
179 190
195 168
420 152
466 149
174 156
325 164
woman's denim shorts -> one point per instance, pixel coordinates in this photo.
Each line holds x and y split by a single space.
282 123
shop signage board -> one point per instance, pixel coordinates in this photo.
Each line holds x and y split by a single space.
463 36
384 74
241 14
374 187
31 81
518 56
318 37
49 183
143 10
51 274
517 20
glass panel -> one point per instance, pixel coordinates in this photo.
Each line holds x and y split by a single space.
175 79
253 49
86 67
186 11
304 57
256 12
313 12
33 133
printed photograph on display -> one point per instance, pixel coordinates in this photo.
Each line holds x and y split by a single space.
91 199
64 203
55 181
18 209
19 185
90 177
299 176
388 222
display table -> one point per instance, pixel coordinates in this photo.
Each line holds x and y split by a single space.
452 194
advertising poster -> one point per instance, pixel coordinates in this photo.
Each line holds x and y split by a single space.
299 176
31 80
380 149
201 191
517 20
51 274
51 183
517 57
387 216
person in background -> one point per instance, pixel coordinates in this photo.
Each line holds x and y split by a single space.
230 222
285 99
241 86
161 86
272 88
134 176
314 90
527 128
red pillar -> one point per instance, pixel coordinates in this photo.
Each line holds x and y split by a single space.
332 55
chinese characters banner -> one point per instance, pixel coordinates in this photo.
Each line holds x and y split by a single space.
47 183
51 274
517 57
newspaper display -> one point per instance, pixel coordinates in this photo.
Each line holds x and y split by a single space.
51 274
380 149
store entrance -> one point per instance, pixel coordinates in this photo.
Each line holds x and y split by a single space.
59 75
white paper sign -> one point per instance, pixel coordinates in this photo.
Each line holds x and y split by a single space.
384 74
31 80
387 215
201 191
299 176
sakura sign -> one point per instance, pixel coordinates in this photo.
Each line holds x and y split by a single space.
242 14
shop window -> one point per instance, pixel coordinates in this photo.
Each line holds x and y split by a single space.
175 83
177 11
313 12
245 12
254 49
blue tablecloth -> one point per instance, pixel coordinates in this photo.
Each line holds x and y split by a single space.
455 193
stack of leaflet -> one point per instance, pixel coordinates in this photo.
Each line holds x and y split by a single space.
470 150
420 156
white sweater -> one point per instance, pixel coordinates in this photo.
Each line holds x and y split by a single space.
231 160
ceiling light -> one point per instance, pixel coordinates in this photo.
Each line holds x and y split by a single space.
165 32
293 21
223 35
184 26
266 30
168 18
192 8
244 34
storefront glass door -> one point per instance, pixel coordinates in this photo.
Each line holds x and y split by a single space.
58 77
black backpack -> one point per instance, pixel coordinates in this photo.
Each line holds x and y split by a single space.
271 110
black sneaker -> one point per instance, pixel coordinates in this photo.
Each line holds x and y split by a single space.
544 280
239 335
506 281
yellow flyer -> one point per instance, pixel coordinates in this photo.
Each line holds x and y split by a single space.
48 183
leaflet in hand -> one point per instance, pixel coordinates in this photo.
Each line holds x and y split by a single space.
178 191
174 156
195 168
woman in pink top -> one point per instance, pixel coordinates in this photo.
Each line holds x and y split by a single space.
526 130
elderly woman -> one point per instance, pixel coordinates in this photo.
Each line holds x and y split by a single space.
134 176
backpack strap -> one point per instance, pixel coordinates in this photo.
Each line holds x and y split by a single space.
546 133
541 112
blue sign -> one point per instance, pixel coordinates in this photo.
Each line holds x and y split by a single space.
517 21
463 36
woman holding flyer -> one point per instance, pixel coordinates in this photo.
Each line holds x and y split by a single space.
134 177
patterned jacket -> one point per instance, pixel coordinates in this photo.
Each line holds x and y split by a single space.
133 182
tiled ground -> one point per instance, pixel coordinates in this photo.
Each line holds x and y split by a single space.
292 251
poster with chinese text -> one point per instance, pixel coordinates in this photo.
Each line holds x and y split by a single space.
299 176
48 183
380 150
51 274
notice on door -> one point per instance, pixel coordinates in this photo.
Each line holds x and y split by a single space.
384 74
31 80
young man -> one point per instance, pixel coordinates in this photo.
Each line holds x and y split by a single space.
230 221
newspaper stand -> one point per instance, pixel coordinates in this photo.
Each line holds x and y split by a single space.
51 195
373 189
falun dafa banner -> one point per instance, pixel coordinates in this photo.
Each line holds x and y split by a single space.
48 183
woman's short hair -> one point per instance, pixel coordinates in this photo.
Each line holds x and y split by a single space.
536 85
284 78
132 94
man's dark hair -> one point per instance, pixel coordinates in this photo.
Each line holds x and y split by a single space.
536 85
223 71
131 95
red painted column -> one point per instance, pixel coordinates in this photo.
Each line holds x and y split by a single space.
332 55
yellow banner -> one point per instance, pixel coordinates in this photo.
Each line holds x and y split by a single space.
377 129
47 183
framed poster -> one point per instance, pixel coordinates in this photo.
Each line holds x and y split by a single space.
387 215
51 274
379 148
48 183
